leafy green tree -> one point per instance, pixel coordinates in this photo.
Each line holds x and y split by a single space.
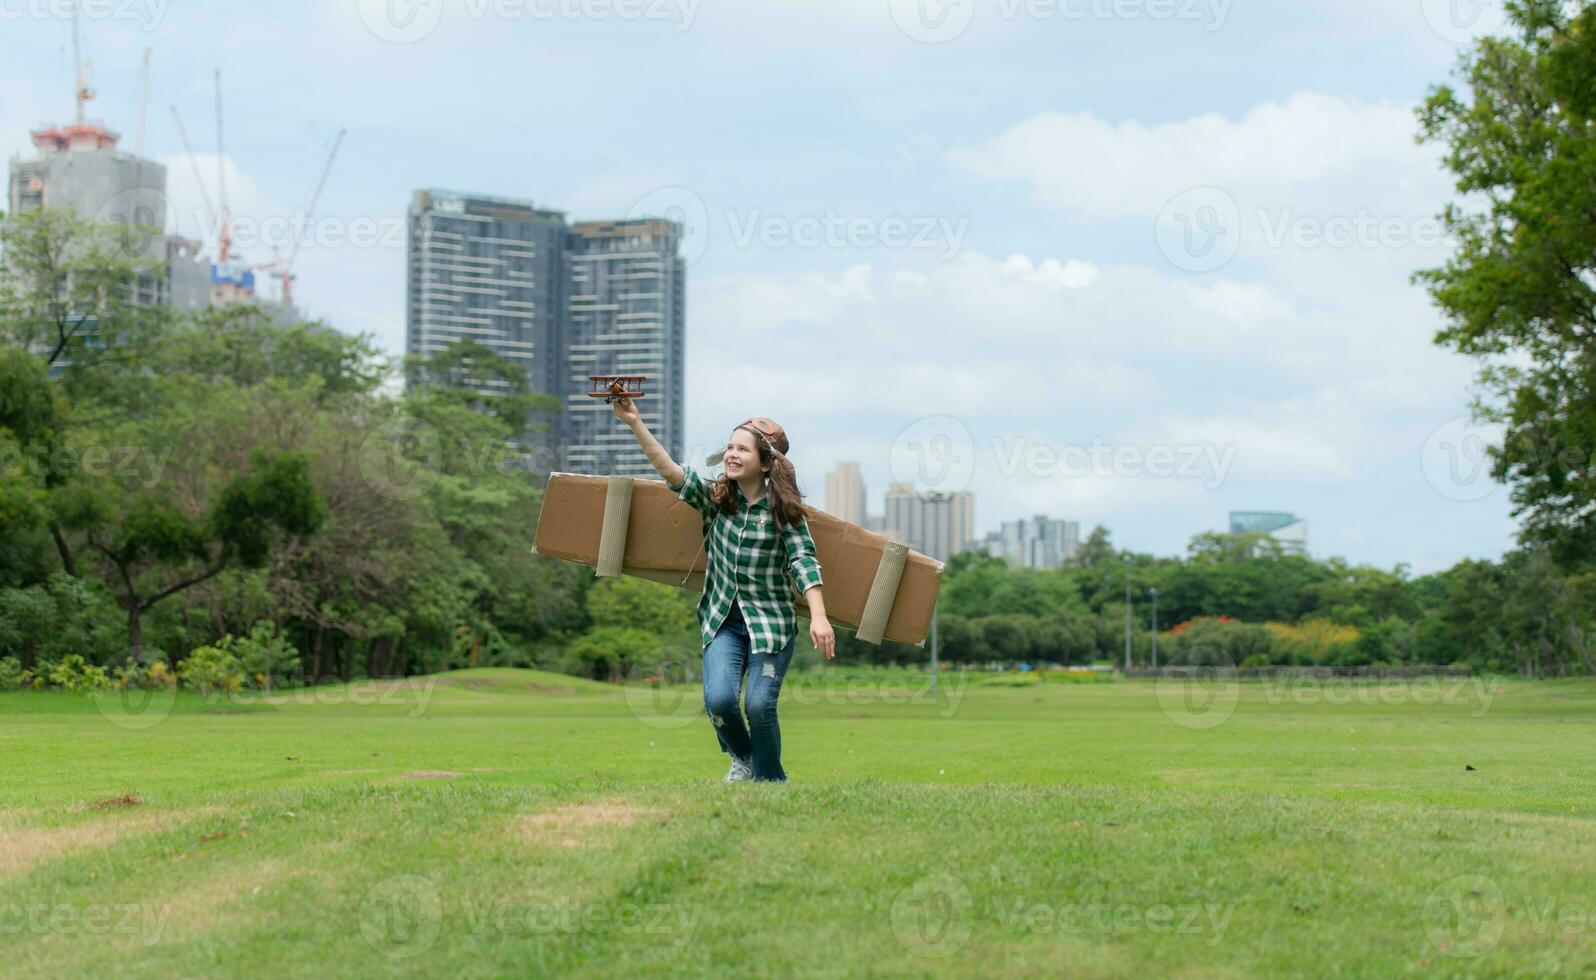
471 375
31 425
1095 550
628 601
41 624
67 289
609 653
154 547
1519 292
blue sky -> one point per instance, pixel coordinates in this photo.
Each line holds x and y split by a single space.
1134 263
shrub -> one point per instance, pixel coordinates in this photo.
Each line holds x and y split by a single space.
73 673
149 677
1236 642
12 676
607 653
1313 642
210 670
265 656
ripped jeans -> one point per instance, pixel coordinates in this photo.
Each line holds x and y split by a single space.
726 660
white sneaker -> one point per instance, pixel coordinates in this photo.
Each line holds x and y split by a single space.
740 770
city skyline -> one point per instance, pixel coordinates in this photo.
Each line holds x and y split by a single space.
997 255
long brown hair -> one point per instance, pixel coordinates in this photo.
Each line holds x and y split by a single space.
786 500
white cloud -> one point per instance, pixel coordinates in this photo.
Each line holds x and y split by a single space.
254 214
764 303
1080 162
1291 440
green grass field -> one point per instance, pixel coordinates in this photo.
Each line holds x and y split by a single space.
512 823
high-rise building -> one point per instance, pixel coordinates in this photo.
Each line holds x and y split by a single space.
1289 529
625 313
488 269
936 524
1039 542
79 168
845 494
561 302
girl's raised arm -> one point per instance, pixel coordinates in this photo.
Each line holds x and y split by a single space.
657 456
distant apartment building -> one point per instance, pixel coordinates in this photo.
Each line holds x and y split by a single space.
936 524
1288 529
845 494
562 302
1039 542
625 313
487 269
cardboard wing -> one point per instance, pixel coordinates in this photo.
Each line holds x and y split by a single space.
622 525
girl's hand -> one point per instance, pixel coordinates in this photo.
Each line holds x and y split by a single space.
822 637
625 410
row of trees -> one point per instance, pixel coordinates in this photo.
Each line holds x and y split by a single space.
169 481
1243 597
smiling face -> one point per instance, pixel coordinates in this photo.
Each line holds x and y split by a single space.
742 456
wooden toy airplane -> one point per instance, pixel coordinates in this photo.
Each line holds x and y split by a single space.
614 386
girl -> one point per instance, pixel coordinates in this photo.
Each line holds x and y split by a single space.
756 531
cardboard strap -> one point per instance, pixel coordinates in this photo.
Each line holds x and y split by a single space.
612 536
883 591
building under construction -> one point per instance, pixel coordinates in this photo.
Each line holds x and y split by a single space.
79 167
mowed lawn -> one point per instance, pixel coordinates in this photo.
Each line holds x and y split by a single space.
513 823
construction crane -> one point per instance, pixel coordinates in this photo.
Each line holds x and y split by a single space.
283 271
144 102
193 161
280 269
225 241
83 93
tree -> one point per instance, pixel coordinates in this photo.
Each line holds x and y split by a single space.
1094 551
31 424
663 610
157 549
473 376
1519 292
68 285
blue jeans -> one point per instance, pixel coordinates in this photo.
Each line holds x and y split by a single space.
726 660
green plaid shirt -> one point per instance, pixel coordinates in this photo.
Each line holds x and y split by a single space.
750 561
